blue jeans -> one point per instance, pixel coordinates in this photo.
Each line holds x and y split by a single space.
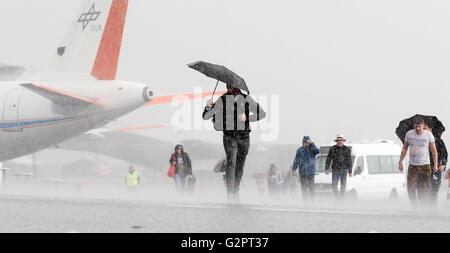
339 175
180 182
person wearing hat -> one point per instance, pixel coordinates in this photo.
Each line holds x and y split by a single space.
183 167
340 159
305 161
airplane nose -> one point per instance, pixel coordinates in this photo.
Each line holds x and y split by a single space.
147 94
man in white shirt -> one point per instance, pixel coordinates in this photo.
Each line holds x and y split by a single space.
419 142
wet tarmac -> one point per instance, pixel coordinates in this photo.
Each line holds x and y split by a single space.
111 210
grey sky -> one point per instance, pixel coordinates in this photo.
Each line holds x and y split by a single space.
350 67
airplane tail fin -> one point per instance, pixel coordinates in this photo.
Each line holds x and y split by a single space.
92 45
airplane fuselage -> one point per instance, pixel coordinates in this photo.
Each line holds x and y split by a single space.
30 121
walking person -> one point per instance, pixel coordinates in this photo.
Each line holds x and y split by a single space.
231 114
305 161
260 180
340 160
436 176
290 183
420 143
183 167
132 179
274 181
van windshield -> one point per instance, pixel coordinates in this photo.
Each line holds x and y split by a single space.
383 164
321 160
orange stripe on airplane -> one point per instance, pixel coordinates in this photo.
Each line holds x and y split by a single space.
67 94
181 97
105 66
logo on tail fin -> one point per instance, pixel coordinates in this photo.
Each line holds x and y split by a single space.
89 16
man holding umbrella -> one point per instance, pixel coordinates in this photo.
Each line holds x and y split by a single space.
231 114
420 142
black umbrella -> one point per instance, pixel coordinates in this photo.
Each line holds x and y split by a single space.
220 73
407 124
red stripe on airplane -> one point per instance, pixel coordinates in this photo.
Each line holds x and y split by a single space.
171 98
67 94
105 66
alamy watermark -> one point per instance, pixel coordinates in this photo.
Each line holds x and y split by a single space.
189 110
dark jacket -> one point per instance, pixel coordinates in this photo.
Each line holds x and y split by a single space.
442 160
224 114
186 161
305 158
339 158
442 153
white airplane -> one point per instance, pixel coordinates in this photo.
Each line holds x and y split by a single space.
36 114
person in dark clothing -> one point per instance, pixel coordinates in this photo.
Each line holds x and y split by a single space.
274 181
260 180
340 159
231 114
183 167
290 183
436 176
305 161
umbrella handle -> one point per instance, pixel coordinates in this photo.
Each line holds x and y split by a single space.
215 89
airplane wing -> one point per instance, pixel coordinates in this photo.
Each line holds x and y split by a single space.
99 133
180 97
58 96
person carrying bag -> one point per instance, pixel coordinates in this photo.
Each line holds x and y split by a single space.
171 172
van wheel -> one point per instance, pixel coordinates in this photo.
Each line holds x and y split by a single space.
393 195
353 195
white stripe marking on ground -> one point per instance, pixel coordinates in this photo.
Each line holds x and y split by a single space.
277 209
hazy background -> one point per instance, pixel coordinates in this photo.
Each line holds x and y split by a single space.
350 67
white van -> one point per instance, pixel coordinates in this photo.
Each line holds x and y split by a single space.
375 170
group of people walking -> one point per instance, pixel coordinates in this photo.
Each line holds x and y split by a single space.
232 114
423 177
183 178
424 174
279 183
338 158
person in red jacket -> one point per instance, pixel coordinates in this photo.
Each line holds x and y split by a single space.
183 167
